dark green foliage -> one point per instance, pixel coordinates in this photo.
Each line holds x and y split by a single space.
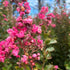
62 47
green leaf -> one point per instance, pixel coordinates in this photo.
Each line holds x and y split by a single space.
9 66
52 42
27 68
38 66
50 49
48 67
48 56
4 68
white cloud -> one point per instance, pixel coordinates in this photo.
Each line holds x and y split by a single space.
68 4
33 2
67 1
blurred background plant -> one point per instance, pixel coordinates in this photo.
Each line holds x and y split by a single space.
7 20
58 36
61 32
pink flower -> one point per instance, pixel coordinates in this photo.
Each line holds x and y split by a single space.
41 24
15 51
53 25
56 67
7 49
11 32
27 11
35 28
19 19
34 55
40 41
64 13
19 24
5 19
22 13
39 29
5 3
49 22
38 58
18 56
41 16
20 4
38 54
1 23
20 34
4 15
28 21
2 58
26 5
24 29
26 43
24 59
44 10
18 9
33 41
51 14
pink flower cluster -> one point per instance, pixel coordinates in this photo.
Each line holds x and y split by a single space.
5 19
34 57
23 8
5 3
47 18
56 67
24 59
22 36
31 59
43 12
28 20
8 48
36 28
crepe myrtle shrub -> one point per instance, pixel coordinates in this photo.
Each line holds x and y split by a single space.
22 37
7 20
23 45
61 55
45 21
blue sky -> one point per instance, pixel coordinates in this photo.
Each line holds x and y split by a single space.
34 3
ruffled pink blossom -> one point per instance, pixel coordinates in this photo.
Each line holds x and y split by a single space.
53 25
20 34
35 28
24 59
56 67
15 51
18 9
20 4
34 55
39 29
41 16
28 21
5 3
